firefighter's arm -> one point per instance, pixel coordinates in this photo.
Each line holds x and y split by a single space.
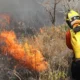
68 39
75 41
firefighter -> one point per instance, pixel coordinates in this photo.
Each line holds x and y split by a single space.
73 41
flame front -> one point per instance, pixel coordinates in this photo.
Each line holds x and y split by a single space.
4 20
25 54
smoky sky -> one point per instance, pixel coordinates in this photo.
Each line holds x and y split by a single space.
27 10
18 6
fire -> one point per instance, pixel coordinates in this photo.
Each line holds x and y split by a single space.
4 20
25 54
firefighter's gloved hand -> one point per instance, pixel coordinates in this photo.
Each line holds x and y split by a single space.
75 41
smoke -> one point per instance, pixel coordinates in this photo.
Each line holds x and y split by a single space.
26 10
17 6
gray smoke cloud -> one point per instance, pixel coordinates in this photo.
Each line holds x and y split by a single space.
27 10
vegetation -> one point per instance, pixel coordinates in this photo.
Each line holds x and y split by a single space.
51 42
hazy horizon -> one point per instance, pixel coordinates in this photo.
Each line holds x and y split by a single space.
29 11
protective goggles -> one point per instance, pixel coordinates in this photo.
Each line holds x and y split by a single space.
74 18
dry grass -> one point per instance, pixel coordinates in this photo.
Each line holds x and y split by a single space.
51 42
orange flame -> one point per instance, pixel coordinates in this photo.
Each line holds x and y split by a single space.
4 20
26 54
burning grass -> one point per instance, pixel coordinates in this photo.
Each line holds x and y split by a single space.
51 42
29 52
25 54
4 21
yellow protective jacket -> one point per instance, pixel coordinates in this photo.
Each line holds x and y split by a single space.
75 42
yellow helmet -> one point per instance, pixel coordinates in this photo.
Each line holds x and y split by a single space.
71 16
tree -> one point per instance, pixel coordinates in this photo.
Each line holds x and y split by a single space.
51 8
70 4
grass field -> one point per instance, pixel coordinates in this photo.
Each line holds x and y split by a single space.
51 42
